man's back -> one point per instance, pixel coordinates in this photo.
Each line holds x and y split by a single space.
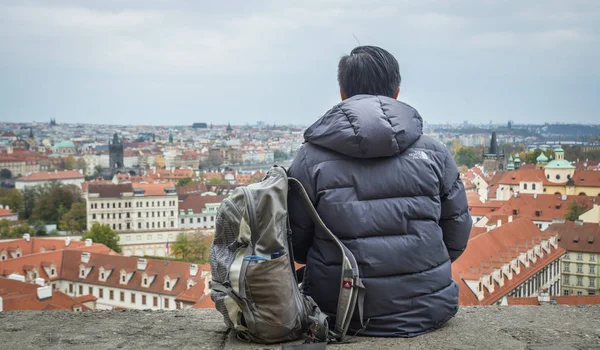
395 199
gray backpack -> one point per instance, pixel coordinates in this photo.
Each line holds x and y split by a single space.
254 283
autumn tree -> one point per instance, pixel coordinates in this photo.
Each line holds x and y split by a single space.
192 247
575 210
81 164
75 219
102 233
69 163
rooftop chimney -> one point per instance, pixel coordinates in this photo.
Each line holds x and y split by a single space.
499 223
27 237
67 241
535 196
1 206
563 197
193 270
88 242
85 257
510 218
16 277
44 292
7 207
142 264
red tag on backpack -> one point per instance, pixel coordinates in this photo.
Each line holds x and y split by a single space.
347 285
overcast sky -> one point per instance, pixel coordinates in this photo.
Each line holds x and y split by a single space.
178 62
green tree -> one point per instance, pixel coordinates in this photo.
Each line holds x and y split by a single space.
102 233
75 219
20 230
180 248
4 228
575 209
97 170
215 181
12 198
5 174
466 156
51 206
183 182
280 155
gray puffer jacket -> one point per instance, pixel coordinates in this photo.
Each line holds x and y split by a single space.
394 197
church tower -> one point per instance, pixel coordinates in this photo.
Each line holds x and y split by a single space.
493 159
116 153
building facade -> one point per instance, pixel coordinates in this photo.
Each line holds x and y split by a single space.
581 262
198 212
133 207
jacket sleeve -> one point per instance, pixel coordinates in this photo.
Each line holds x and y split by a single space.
455 219
300 221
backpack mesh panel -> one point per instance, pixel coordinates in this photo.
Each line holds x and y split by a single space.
222 253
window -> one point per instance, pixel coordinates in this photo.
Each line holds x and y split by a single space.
212 218
111 294
127 215
566 268
114 205
82 273
123 278
592 283
122 296
533 186
191 220
579 294
172 213
102 205
114 216
566 280
579 256
119 204
183 221
172 223
580 281
566 255
592 269
557 176
143 300
164 203
155 302
94 216
52 272
204 219
592 257
145 281
524 186
101 292
128 226
119 225
139 225
168 284
91 290
133 298
579 268
101 216
166 303
566 292
80 290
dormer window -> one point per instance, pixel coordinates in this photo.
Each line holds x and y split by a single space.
145 281
168 284
82 272
52 272
102 276
123 278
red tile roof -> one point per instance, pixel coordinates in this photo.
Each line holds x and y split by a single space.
198 202
205 303
154 189
490 250
49 176
580 237
6 212
541 207
18 295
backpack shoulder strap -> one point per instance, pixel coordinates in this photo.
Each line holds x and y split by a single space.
351 288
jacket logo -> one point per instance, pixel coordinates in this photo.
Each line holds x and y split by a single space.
418 155
347 285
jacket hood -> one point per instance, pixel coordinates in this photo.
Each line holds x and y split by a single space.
367 126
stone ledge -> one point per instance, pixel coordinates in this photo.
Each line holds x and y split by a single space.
492 327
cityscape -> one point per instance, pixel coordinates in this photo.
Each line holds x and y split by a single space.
136 136
104 217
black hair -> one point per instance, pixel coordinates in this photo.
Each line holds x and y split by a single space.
369 70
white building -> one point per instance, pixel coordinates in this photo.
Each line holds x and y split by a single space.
198 212
67 177
132 207
6 213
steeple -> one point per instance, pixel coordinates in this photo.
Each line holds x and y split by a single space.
171 138
517 162
229 127
493 144
31 134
